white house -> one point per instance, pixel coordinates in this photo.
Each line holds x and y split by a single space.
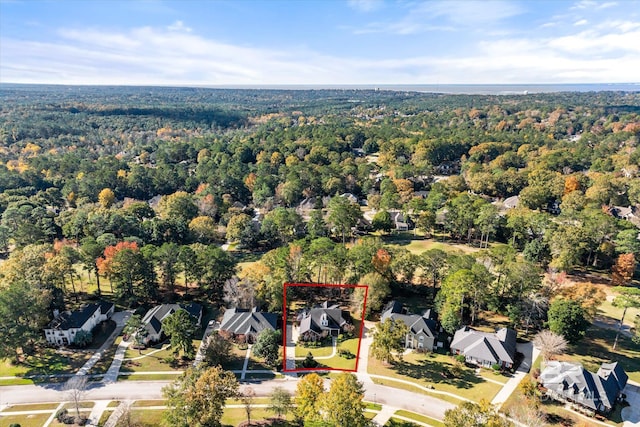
63 328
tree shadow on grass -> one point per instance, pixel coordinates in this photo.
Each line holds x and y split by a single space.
437 372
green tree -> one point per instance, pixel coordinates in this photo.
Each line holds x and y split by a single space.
267 346
180 328
217 350
198 397
343 215
178 205
316 227
470 414
567 318
308 393
382 221
388 337
24 312
342 404
627 297
280 402
166 258
135 327
378 290
237 225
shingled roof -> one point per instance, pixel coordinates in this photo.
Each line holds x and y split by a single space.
415 322
154 317
496 347
597 391
75 319
247 322
312 320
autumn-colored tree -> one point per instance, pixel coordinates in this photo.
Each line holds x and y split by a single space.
105 262
622 271
342 404
203 228
308 393
571 184
381 261
106 197
589 295
627 297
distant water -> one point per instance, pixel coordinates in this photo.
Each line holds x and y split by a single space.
464 89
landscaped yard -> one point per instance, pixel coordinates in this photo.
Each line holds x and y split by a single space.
421 418
46 361
337 361
595 349
434 370
36 420
234 416
325 350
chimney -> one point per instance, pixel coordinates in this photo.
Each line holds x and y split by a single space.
56 313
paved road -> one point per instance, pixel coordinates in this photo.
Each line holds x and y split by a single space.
136 390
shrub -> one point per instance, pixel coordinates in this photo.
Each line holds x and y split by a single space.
496 367
309 361
460 358
14 425
82 339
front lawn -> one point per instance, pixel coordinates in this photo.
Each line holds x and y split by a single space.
337 361
435 370
421 418
35 420
322 351
46 361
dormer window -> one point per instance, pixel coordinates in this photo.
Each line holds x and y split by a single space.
324 321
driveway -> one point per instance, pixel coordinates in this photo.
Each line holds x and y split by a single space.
631 414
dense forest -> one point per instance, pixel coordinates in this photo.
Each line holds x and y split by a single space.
142 185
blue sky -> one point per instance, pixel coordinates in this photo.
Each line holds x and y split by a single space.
328 42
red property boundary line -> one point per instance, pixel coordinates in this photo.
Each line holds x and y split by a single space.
284 324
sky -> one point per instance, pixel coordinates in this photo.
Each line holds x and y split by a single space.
318 42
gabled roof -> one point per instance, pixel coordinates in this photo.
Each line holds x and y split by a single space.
74 319
154 317
596 391
105 306
312 320
500 346
415 322
246 322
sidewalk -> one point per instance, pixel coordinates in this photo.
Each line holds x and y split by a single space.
513 382
120 318
384 415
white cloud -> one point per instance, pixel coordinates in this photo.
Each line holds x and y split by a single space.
179 26
580 23
606 52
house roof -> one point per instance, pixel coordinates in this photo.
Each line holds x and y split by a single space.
496 347
415 322
596 391
154 317
106 306
244 322
74 319
312 320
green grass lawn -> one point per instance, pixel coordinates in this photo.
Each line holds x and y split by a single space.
234 416
151 362
32 407
607 309
595 348
396 422
339 362
36 420
418 244
433 370
422 418
46 361
237 360
323 351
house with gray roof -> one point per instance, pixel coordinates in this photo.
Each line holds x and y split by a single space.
63 328
422 328
595 392
245 325
486 349
153 319
320 322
